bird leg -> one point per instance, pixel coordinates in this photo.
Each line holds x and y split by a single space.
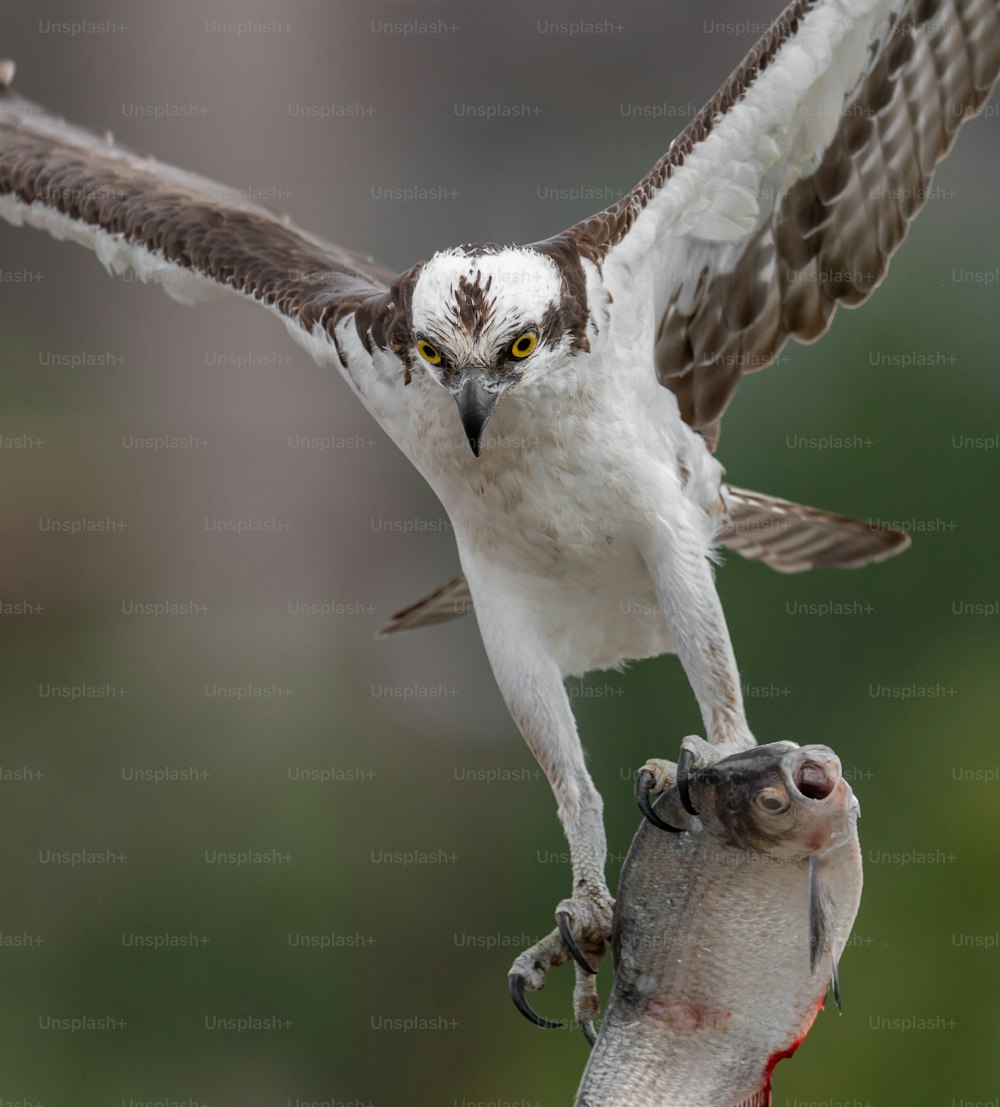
682 574
583 922
532 686
678 562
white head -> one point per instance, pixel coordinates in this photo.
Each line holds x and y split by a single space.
485 319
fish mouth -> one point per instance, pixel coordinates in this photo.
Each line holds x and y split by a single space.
814 780
828 807
815 775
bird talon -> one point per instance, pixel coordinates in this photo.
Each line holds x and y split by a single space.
516 984
643 783
589 1032
562 921
684 763
584 924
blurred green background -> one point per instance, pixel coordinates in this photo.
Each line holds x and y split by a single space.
330 943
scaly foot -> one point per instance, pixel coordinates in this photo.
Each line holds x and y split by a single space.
584 927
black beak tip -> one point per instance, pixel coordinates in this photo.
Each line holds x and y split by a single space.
475 406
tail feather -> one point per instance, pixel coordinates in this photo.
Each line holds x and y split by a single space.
791 537
787 536
447 602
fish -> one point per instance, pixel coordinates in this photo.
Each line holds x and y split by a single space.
727 935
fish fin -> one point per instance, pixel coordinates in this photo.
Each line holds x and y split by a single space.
817 915
760 1098
450 601
819 926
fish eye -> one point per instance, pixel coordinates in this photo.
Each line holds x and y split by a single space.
774 801
428 352
525 342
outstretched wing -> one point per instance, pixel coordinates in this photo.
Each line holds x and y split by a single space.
790 190
196 238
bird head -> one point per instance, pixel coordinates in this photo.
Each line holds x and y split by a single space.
488 319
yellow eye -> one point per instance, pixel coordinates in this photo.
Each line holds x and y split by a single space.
428 352
524 344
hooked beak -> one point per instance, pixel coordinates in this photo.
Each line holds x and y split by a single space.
475 406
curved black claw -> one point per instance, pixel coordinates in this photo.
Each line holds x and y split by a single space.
516 984
562 921
588 1031
643 783
683 772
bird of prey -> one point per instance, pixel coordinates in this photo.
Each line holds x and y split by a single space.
563 399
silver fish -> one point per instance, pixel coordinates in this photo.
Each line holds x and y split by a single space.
726 937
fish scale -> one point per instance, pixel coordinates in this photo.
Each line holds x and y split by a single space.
726 937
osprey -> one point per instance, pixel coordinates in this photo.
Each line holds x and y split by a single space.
563 399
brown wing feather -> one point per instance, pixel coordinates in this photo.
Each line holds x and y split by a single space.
792 537
188 220
828 239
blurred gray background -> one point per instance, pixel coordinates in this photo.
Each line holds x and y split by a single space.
334 752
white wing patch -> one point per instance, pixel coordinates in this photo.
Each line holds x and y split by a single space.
774 135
